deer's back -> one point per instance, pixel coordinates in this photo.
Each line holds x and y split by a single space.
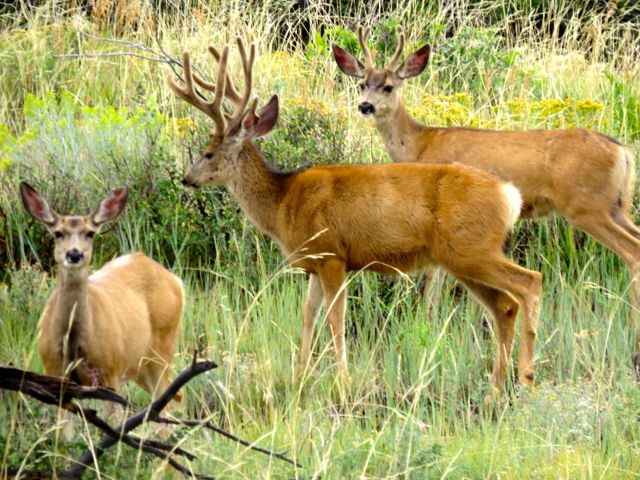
403 215
550 167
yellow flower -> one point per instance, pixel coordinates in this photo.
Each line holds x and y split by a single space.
184 126
586 105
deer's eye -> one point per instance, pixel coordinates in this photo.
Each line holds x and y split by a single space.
90 235
362 87
58 235
207 155
388 89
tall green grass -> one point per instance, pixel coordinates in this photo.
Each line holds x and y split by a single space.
77 128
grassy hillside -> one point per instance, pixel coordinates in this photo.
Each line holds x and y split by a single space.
77 127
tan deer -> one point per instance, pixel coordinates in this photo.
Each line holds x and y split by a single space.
119 322
586 176
386 218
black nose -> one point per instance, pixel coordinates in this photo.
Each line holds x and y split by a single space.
186 183
366 108
74 256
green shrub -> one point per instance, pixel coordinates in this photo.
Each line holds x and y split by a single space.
309 134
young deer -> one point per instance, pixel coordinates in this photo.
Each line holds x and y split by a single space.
582 174
120 321
385 218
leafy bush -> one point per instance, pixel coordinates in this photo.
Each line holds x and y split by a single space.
473 59
383 39
310 134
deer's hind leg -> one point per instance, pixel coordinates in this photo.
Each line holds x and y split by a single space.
504 309
613 234
525 286
153 377
623 220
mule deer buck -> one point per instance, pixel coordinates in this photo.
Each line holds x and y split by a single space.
386 218
584 175
119 322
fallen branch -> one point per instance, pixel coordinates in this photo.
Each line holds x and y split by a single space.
111 54
52 390
149 413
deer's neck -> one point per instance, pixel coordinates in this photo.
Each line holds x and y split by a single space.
401 135
72 311
258 188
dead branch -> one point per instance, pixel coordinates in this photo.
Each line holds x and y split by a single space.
149 413
61 392
52 390
147 54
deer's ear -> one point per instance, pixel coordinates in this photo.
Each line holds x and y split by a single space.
261 124
37 206
349 64
111 206
415 64
268 117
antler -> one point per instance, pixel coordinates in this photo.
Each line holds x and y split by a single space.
363 33
398 52
239 102
223 87
190 95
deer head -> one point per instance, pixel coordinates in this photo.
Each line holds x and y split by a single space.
380 86
73 234
219 161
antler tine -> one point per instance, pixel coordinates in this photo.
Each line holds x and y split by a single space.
363 33
230 91
189 94
216 103
247 67
398 52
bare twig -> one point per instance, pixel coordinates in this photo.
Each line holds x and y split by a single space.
139 46
230 436
161 57
151 446
162 50
111 54
148 54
